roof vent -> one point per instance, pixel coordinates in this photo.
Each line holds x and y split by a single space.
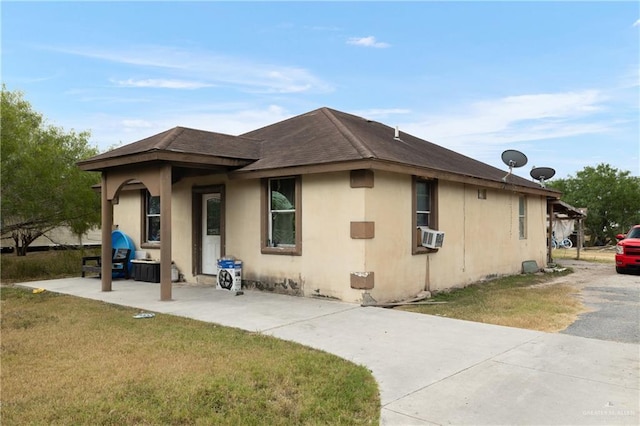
397 134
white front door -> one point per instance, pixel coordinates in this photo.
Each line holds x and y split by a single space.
210 232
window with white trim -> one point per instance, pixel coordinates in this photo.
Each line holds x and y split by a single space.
282 211
423 203
424 210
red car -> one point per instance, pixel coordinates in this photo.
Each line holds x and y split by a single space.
628 250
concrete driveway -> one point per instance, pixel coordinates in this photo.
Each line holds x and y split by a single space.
430 370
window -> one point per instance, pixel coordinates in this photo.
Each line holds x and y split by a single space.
423 203
282 218
424 210
152 218
482 194
522 217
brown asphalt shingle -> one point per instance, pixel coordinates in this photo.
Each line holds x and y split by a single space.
327 136
322 136
192 141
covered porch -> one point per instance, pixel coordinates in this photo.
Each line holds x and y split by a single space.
157 163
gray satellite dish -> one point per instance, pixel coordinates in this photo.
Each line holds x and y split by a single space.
513 158
542 174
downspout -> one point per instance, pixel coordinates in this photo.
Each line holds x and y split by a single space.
427 277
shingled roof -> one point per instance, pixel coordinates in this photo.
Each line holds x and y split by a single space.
321 137
180 143
326 136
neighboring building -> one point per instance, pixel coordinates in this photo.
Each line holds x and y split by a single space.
322 204
59 237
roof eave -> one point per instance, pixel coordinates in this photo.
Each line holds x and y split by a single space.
183 158
383 165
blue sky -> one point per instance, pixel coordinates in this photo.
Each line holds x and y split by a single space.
557 81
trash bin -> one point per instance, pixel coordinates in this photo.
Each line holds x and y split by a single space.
229 274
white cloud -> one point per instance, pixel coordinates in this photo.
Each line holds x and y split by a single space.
367 42
516 118
135 124
207 68
109 130
381 113
637 23
161 83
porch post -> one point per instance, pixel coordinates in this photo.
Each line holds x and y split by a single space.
165 232
107 224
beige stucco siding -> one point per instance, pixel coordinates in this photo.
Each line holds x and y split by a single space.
329 255
126 215
481 235
389 204
181 228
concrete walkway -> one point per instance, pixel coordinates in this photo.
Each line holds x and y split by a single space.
430 370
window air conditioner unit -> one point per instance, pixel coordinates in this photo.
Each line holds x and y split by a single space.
431 238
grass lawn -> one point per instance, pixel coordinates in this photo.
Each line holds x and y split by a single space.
515 301
67 360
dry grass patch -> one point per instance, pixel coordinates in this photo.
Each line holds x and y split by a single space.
516 301
67 360
591 254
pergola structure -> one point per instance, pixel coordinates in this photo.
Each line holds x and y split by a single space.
555 208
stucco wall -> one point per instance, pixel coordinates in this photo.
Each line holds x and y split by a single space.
481 235
329 255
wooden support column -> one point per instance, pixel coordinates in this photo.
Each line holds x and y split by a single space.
579 239
107 224
550 233
165 232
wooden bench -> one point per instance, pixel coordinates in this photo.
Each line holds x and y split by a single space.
119 263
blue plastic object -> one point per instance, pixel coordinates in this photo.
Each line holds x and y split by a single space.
121 240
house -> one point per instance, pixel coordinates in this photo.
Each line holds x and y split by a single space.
322 204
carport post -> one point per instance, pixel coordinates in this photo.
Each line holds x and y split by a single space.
550 233
107 223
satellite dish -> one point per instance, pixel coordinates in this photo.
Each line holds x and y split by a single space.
513 158
542 174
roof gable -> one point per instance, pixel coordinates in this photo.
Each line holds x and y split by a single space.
329 136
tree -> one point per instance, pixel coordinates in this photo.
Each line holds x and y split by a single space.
42 188
611 196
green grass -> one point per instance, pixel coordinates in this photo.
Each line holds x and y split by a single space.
67 360
521 301
45 265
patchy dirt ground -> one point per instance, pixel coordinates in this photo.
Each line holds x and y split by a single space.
613 301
